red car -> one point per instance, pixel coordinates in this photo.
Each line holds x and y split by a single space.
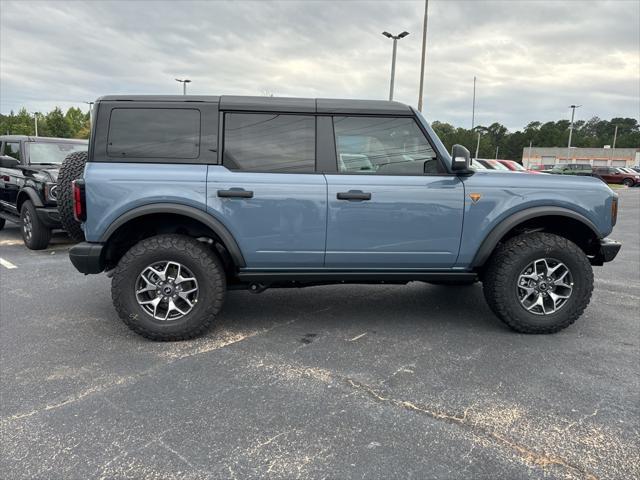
616 175
515 166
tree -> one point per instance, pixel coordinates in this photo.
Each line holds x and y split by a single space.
57 125
75 118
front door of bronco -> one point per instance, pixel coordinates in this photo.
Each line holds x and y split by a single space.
391 204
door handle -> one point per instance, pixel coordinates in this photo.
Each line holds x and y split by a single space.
235 193
354 195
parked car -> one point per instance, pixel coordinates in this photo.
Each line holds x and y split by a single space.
29 191
516 167
493 165
572 169
617 175
540 168
264 194
476 165
636 168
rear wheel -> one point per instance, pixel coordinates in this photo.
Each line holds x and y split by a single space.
538 283
72 168
169 287
627 182
35 235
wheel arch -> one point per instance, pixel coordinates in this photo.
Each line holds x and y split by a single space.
559 220
184 216
28 193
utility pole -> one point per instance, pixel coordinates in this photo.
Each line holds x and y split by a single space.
184 84
35 117
573 112
395 39
473 109
478 145
613 148
529 156
424 53
497 148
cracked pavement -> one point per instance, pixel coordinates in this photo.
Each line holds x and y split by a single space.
413 381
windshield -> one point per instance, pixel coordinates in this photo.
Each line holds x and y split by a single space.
476 165
517 166
51 152
496 165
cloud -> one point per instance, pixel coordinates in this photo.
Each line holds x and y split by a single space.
532 58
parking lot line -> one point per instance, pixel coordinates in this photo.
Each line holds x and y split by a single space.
7 264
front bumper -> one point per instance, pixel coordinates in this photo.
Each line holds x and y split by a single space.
49 217
607 251
87 257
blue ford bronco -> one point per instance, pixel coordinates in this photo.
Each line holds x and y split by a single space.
183 198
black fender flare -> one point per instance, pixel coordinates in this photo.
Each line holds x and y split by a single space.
214 224
500 230
31 194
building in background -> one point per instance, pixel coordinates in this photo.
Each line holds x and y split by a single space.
597 157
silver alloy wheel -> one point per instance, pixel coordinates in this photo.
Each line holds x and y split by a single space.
544 286
166 290
27 225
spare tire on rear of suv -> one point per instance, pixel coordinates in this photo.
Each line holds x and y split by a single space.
72 168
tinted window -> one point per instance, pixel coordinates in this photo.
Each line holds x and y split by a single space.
382 146
269 142
154 133
12 149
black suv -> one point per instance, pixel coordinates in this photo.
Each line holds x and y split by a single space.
28 190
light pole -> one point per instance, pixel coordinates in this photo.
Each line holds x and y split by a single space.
473 108
477 146
90 113
35 118
424 53
184 84
395 39
573 112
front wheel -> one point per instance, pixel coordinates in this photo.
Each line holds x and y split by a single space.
169 287
538 283
34 234
627 182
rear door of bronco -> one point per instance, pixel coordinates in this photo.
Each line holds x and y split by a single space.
266 189
391 203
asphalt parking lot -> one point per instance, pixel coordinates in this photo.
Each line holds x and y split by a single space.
413 381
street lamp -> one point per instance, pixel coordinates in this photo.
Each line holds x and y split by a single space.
395 39
90 113
184 84
573 112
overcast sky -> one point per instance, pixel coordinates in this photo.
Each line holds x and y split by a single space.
532 58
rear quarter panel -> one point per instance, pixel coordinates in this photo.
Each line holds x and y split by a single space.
113 189
503 195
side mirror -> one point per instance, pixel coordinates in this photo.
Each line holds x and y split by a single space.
8 162
460 158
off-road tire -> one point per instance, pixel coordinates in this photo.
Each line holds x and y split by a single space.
201 260
627 182
72 168
39 235
508 261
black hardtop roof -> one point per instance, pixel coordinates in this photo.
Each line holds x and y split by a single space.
31 138
276 104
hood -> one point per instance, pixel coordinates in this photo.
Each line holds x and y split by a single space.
43 173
